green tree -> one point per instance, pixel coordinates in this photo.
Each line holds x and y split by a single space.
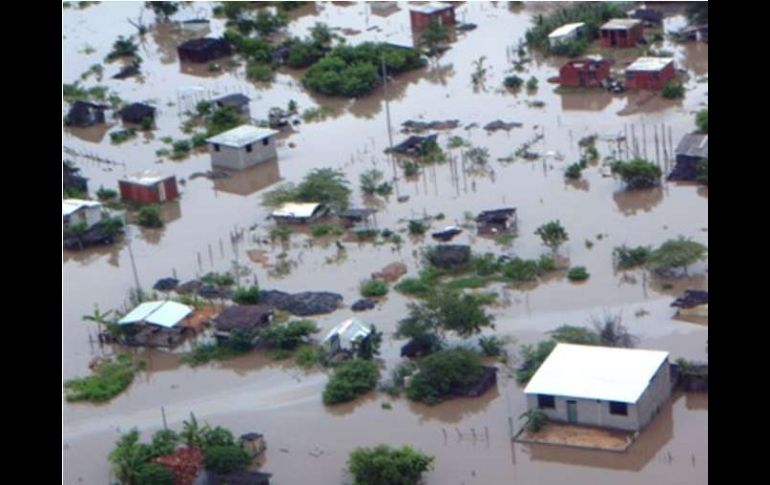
287 336
446 310
370 346
676 254
383 465
217 436
350 380
246 295
322 185
129 456
164 441
637 173
553 235
149 216
627 257
192 433
123 47
321 34
434 36
442 372
535 420
154 474
163 9
374 288
532 358
221 120
702 120
370 180
226 459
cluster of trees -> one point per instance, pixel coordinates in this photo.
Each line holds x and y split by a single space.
593 14
355 71
304 53
637 173
672 257
323 185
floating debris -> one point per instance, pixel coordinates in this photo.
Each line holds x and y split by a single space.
502 125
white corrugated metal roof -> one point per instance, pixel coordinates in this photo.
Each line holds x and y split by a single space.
350 330
592 372
296 209
620 24
68 206
163 313
241 136
430 8
650 63
565 29
146 177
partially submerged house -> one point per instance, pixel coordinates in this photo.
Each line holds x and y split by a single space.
496 220
242 147
621 33
74 211
357 218
650 73
299 212
565 33
588 72
347 336
239 102
137 113
647 15
148 187
71 178
693 303
415 145
203 50
248 319
156 324
691 151
698 33
83 113
601 386
422 16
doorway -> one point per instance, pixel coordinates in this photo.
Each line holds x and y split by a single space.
572 411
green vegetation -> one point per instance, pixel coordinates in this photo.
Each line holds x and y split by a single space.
374 288
442 372
578 273
417 228
281 233
218 279
372 182
573 48
477 155
226 459
535 420
109 379
313 114
433 37
383 465
703 172
702 120
354 71
164 10
258 71
350 380
149 216
637 173
532 84
123 48
553 235
480 72
304 53
154 474
676 254
74 92
411 168
673 90
118 137
106 194
322 230
288 336
627 257
532 357
323 185
513 82
221 120
492 346
246 295
574 171
593 14
204 353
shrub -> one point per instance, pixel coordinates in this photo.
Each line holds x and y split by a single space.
578 273
181 146
571 334
417 228
226 459
322 230
384 465
442 372
221 120
122 48
673 90
287 336
257 71
414 286
203 353
247 295
532 84
411 168
217 437
374 288
552 234
573 48
153 474
350 380
164 441
702 120
546 264
108 380
303 53
204 107
676 254
531 359
106 194
282 233
574 171
324 185
626 257
218 279
521 270
492 346
637 173
486 265
536 420
122 136
513 82
307 356
198 140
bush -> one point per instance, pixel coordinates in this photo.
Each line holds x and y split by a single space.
350 380
198 140
181 146
578 273
153 474
322 230
257 71
572 48
552 234
532 84
442 372
122 136
574 171
593 14
570 334
536 420
383 465
307 356
546 264
626 257
247 295
513 82
532 358
411 168
673 90
521 270
638 173
492 346
221 120
303 53
164 442
226 459
703 171
106 194
108 380
218 279
149 216
417 228
282 233
702 120
203 353
370 180
217 437
676 254
486 265
414 286
374 288
122 48
287 336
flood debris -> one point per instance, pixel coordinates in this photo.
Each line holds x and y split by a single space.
466 27
420 126
189 287
203 50
391 272
166 284
363 304
414 145
692 303
211 175
302 304
502 125
449 256
128 71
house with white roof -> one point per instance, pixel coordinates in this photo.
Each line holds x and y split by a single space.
242 147
74 211
162 313
565 33
601 386
156 324
347 336
299 212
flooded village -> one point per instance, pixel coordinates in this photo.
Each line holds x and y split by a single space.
474 233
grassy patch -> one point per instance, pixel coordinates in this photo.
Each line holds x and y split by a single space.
374 288
109 379
204 353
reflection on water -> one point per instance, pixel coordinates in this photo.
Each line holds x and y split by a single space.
632 201
250 180
92 134
455 410
593 100
90 255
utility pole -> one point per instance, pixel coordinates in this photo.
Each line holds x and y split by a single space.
133 263
387 114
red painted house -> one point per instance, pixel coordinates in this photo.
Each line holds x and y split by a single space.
621 33
588 72
148 187
422 15
650 73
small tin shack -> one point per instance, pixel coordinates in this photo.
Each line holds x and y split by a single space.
621 33
148 187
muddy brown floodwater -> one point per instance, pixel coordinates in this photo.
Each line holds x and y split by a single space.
309 443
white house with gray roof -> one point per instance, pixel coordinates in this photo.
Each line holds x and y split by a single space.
242 147
601 386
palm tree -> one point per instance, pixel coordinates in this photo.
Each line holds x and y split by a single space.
192 433
99 317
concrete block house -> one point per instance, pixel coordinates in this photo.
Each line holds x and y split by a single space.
650 73
621 33
422 16
589 72
242 147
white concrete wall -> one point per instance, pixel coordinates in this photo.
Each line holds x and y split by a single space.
239 158
656 394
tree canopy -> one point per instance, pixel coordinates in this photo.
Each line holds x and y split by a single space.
383 465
